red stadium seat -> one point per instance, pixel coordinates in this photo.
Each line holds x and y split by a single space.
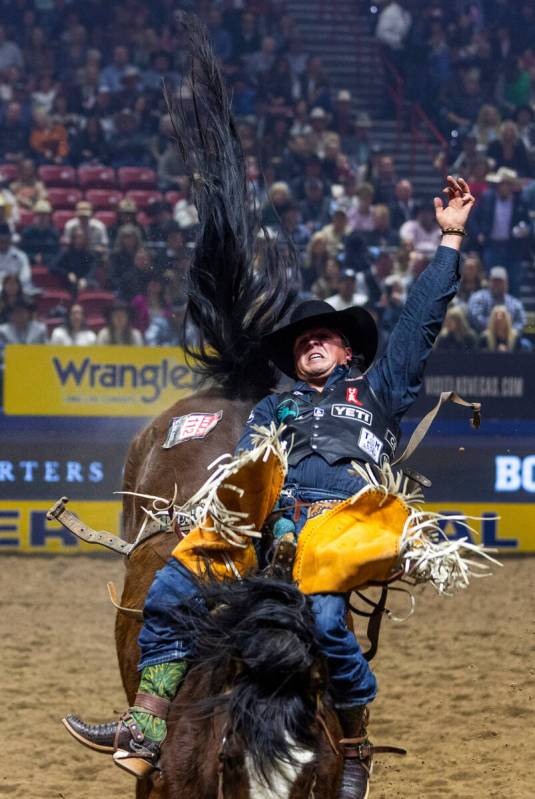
26 218
143 198
43 278
97 177
174 196
108 217
104 199
136 177
59 218
8 172
61 199
58 176
95 302
50 299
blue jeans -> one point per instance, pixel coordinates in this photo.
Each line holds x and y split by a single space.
163 637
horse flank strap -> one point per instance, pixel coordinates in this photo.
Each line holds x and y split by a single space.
362 749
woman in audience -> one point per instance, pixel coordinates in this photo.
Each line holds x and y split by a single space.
500 336
150 305
456 334
124 276
10 295
28 189
77 264
509 150
119 329
74 333
472 279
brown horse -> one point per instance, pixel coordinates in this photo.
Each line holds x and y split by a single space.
239 289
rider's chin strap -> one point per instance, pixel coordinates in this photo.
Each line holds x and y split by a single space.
423 426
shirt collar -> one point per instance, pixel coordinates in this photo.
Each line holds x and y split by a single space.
338 373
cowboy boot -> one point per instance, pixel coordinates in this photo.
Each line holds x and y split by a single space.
135 740
357 752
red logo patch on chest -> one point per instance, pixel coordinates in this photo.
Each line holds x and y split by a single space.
193 425
352 395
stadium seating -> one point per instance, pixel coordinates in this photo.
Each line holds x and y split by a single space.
143 198
103 199
95 302
63 198
59 219
136 177
60 176
107 217
8 172
97 177
44 279
51 299
173 197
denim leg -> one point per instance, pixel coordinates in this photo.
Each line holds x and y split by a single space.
352 680
164 636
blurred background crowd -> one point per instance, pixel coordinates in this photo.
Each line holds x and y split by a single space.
97 219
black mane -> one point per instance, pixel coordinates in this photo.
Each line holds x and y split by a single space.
258 641
239 282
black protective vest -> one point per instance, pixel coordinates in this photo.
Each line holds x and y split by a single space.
344 422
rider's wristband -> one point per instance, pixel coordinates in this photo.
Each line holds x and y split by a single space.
454 231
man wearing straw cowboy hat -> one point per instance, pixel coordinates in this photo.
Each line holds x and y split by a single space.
341 409
501 225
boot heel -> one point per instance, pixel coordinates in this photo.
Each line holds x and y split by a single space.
137 766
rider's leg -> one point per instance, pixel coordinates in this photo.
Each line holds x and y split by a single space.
165 645
353 686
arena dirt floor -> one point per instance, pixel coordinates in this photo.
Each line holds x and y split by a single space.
457 686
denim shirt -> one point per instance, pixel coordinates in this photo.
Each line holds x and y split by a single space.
396 377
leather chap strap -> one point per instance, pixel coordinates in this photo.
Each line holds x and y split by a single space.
155 705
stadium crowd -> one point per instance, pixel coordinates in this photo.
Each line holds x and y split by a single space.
97 219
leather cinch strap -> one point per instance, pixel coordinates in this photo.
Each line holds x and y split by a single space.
423 426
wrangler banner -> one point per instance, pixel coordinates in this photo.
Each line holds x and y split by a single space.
24 527
94 381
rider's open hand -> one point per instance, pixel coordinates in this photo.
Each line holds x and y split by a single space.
460 203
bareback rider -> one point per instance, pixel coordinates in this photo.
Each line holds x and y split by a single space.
341 408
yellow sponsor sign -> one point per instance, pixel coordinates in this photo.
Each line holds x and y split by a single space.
94 381
24 527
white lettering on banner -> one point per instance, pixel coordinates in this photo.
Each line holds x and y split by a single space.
515 474
48 471
352 412
475 385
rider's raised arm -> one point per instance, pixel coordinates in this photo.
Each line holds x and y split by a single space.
397 376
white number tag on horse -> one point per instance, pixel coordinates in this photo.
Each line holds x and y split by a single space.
191 426
370 444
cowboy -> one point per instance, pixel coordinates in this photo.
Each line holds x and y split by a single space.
342 408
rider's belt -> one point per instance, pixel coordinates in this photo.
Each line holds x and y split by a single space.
320 507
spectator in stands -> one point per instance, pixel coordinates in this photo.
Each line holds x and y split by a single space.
358 144
246 39
14 134
40 240
10 295
487 127
351 291
319 121
314 259
336 231
464 102
126 215
467 158
292 228
260 63
160 70
220 38
119 329
279 196
313 169
328 279
422 233
513 86
124 276
384 180
342 121
500 335
418 261
456 334
391 304
393 25
315 84
94 230
27 188
112 74
472 279
477 178
170 331
74 332
382 233
152 304
14 261
501 225
509 150
22 328
78 263
10 52
315 207
403 206
128 146
185 212
360 216
160 213
525 123
9 210
173 250
48 139
89 145
44 95
483 301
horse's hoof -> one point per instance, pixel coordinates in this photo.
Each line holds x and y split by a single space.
137 766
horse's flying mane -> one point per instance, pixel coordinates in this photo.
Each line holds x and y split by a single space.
239 282
259 646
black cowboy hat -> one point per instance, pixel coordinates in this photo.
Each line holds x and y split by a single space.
355 324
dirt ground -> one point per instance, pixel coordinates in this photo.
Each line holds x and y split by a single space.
457 685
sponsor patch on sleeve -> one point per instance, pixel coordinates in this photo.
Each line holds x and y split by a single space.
370 444
191 426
